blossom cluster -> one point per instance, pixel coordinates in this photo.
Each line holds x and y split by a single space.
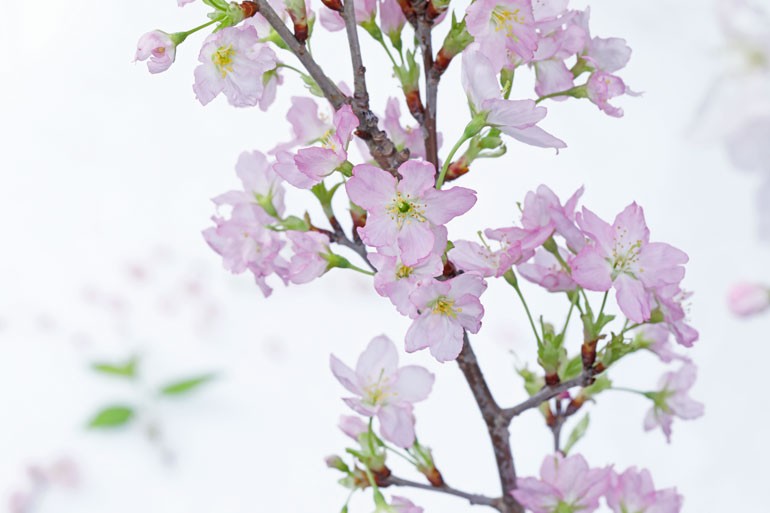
401 208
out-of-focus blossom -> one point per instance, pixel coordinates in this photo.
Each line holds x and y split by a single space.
261 186
566 485
385 390
446 309
308 262
233 62
747 299
672 400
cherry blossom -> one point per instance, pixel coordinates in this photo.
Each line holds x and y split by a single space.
502 26
672 400
385 390
634 491
158 49
308 262
747 299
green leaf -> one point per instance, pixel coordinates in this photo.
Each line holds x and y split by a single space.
124 370
186 385
112 417
577 433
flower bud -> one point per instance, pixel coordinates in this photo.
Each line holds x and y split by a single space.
747 299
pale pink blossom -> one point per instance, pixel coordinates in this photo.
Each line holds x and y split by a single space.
158 49
307 261
405 213
392 18
516 118
245 244
602 87
365 11
307 125
261 186
352 426
482 259
546 271
409 137
447 308
404 505
670 299
634 492
543 216
566 484
385 390
396 281
560 38
747 299
657 338
672 400
317 162
501 27
621 256
233 62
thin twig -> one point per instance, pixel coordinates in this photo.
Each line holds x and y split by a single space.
497 425
549 392
424 36
340 237
381 147
475 499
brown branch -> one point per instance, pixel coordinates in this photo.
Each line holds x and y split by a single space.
381 147
475 499
549 392
340 237
424 36
497 425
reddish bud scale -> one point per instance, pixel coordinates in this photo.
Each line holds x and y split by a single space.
334 5
575 404
550 418
300 28
359 219
443 59
249 9
381 476
450 271
457 169
434 477
432 12
552 379
408 10
588 353
414 102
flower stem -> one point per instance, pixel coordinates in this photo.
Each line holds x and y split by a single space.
448 161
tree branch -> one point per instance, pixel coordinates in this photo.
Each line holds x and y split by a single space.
381 147
549 392
475 499
497 425
424 36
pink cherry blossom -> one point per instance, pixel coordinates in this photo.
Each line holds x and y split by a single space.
261 186
546 271
365 11
566 484
318 162
747 299
516 118
634 492
307 125
670 299
671 400
481 259
384 390
233 62
404 505
602 87
657 338
397 281
308 262
157 49
409 137
561 38
503 26
622 256
543 216
352 426
244 243
392 18
446 309
405 213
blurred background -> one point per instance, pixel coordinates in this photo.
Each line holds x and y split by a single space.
105 178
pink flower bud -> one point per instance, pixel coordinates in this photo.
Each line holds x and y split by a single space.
747 299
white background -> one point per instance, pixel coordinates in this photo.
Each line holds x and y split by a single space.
106 173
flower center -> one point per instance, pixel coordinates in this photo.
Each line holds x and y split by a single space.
625 255
223 59
378 393
445 306
403 271
327 139
404 210
503 20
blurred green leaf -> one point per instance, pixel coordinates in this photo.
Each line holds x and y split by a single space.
125 370
112 417
577 433
186 385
